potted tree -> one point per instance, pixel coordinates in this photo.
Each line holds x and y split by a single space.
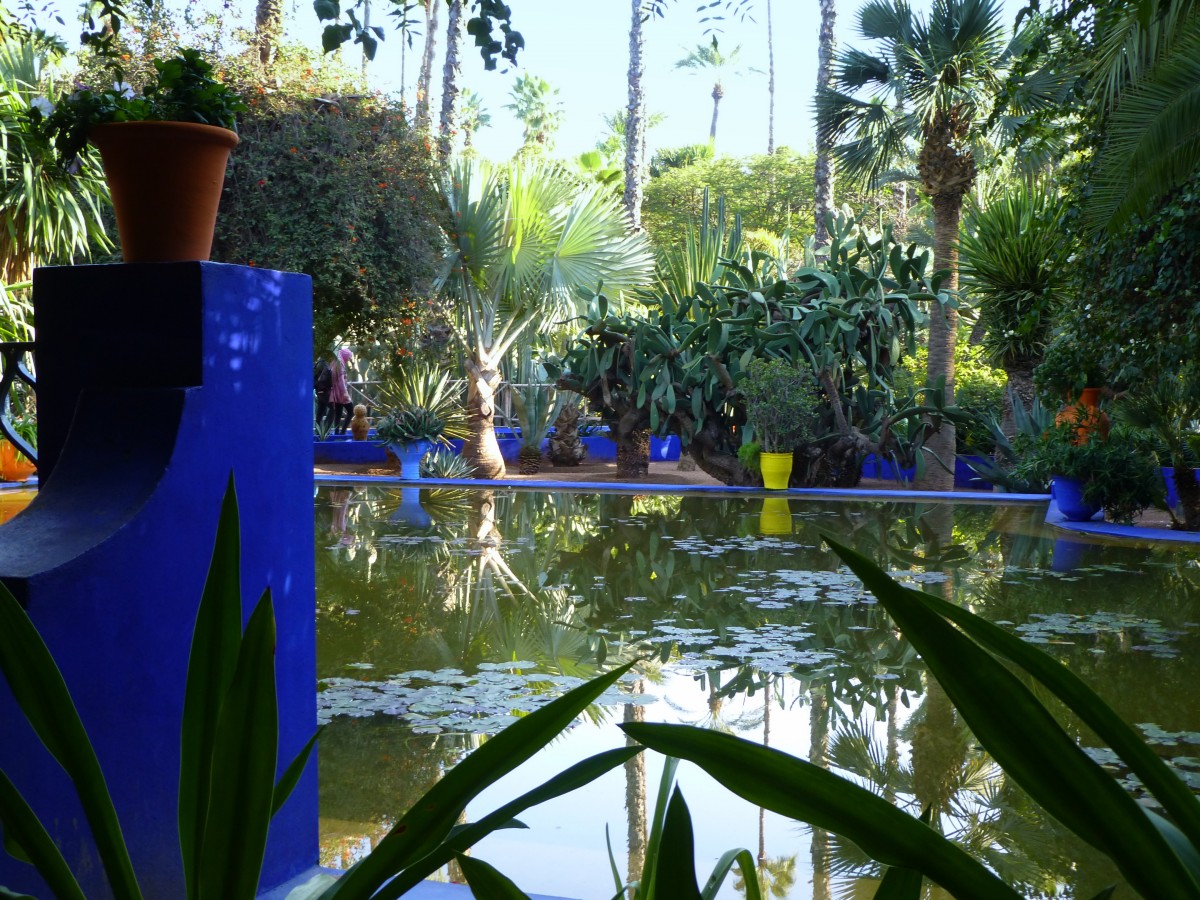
164 153
781 414
1117 474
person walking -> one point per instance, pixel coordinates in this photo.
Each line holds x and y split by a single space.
322 385
340 407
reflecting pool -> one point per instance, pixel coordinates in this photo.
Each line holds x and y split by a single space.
444 614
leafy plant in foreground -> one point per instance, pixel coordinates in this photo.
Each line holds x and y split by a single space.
227 793
1157 857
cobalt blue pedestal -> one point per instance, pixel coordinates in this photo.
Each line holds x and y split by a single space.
154 381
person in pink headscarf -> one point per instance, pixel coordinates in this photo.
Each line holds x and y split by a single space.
339 393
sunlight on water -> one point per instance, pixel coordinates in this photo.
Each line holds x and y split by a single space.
443 615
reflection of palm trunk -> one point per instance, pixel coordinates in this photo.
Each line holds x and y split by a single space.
818 755
635 793
762 813
892 761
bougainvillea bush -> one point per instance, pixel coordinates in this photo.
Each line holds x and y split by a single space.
339 187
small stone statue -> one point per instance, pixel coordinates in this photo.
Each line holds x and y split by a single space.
359 426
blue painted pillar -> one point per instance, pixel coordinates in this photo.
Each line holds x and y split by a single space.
154 381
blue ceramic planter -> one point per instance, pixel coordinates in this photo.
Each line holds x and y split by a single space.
1068 496
410 456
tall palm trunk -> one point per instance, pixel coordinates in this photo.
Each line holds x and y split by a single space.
823 170
717 93
268 29
451 72
635 124
770 83
480 447
635 793
426 73
818 755
943 335
366 24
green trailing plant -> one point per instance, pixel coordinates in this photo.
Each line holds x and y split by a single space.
185 89
228 792
749 455
781 405
1118 473
971 659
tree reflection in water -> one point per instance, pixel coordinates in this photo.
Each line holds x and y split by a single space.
560 585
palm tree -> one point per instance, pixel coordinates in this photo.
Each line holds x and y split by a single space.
1148 68
635 124
46 213
950 69
268 30
770 82
823 167
425 75
474 117
450 75
711 58
535 104
528 246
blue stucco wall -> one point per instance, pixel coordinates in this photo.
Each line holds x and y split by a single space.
155 380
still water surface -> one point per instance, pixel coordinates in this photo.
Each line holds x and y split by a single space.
442 615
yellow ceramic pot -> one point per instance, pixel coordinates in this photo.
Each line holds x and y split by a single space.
776 470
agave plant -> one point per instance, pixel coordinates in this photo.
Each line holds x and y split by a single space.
422 386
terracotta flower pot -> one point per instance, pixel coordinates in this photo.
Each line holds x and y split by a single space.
13 464
166 180
1086 414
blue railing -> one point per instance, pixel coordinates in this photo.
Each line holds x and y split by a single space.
16 359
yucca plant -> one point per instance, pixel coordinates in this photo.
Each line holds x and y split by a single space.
1013 262
423 386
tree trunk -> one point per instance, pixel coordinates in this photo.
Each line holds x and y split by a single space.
770 83
635 793
1188 490
366 24
268 29
423 79
818 755
633 454
823 170
530 460
899 210
717 94
480 448
566 449
943 334
451 72
635 124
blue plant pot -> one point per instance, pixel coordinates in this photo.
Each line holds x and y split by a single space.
410 512
410 456
1068 496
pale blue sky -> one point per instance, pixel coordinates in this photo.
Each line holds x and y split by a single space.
582 48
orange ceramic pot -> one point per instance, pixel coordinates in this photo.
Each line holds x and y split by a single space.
165 179
13 465
1086 415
